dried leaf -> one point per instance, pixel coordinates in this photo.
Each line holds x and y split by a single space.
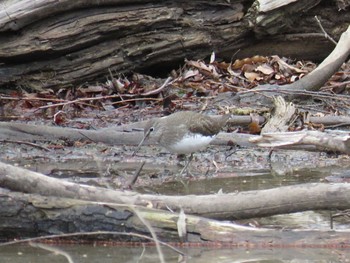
265 69
239 63
92 89
212 57
252 76
286 67
190 73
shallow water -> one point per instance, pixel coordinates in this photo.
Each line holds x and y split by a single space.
239 171
90 253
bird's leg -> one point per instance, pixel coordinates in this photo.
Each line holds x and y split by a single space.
186 165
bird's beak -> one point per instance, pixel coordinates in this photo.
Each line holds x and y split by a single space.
142 141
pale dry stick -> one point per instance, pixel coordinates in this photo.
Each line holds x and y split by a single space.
153 234
304 92
259 91
335 85
182 226
52 249
340 214
110 73
142 253
87 137
326 35
89 234
204 106
236 87
82 100
26 143
137 99
31 99
156 91
55 116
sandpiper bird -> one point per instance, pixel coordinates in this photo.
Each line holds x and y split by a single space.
184 132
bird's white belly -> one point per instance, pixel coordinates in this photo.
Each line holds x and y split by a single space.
190 143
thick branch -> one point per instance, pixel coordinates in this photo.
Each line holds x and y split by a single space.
333 141
327 68
312 81
131 134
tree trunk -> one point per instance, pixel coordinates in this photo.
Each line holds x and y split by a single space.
55 44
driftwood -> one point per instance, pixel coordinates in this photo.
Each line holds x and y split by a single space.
220 206
282 116
326 69
63 43
334 141
274 133
52 216
29 215
132 134
311 82
95 209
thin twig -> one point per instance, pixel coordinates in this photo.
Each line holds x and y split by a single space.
31 99
53 249
87 137
142 253
153 234
156 91
82 100
339 84
110 73
301 92
26 143
324 31
136 99
90 234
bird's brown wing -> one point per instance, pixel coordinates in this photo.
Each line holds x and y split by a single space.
204 125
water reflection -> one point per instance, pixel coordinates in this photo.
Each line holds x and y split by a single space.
90 253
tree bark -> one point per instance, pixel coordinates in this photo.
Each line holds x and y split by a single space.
55 44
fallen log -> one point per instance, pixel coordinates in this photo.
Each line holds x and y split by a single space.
131 134
53 44
231 206
31 215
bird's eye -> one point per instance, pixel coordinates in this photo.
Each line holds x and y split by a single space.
151 129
